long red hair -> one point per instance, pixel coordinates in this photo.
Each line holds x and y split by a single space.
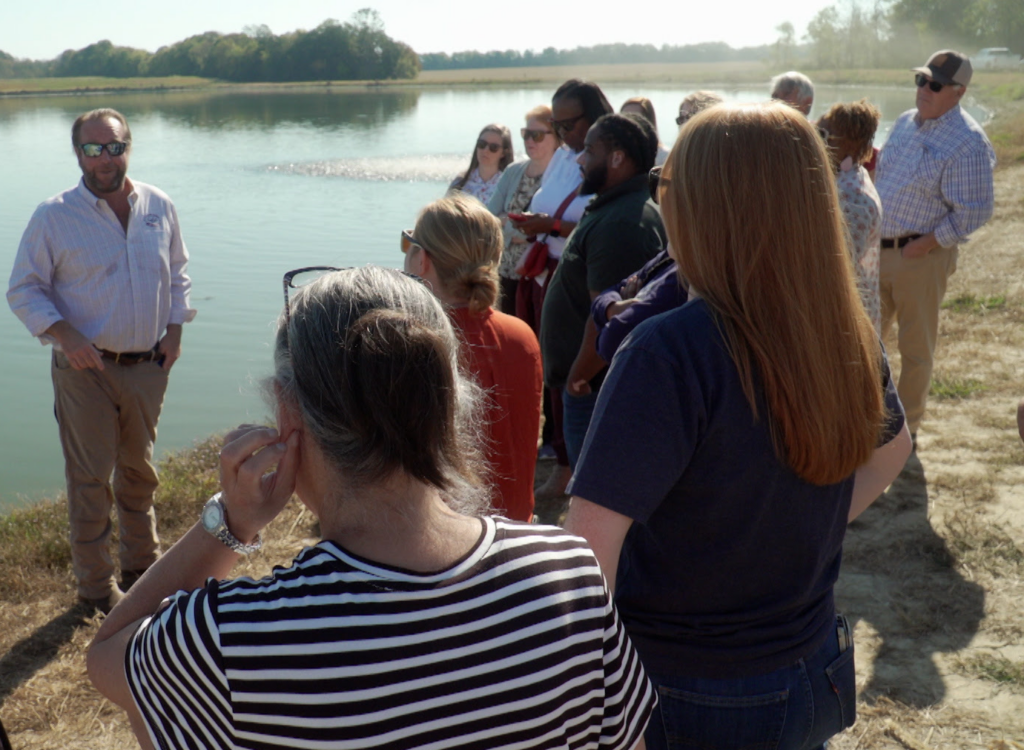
751 209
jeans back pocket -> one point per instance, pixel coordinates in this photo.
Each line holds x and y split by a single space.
842 674
697 721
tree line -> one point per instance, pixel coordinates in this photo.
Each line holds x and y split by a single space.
891 33
355 50
597 54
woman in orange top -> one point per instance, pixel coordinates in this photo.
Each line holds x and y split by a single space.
455 248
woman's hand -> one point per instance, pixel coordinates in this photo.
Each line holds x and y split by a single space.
253 494
630 288
534 224
615 308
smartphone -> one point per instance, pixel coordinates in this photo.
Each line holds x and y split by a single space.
518 217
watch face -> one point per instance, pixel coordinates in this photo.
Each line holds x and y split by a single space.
212 516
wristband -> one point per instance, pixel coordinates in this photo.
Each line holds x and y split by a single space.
556 228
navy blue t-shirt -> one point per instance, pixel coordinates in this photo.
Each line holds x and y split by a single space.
728 568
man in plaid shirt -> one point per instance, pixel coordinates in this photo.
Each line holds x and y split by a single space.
935 180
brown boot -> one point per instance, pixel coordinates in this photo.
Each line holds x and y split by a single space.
103 604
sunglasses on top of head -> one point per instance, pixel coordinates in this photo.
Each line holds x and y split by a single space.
921 80
492 147
114 148
533 135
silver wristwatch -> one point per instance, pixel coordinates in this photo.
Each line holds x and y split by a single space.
214 520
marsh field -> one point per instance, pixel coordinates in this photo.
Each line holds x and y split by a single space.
933 573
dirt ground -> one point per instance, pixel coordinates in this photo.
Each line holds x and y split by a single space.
932 574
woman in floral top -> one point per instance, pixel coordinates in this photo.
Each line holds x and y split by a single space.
849 130
493 152
515 190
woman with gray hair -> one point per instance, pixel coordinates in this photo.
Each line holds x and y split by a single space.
414 622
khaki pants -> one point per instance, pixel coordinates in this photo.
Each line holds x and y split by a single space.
107 422
911 291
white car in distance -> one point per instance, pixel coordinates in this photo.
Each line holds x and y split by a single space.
995 58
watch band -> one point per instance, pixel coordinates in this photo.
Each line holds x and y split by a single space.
223 533
556 228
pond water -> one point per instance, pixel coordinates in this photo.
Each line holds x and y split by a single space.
263 183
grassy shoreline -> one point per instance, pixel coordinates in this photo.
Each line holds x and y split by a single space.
1005 84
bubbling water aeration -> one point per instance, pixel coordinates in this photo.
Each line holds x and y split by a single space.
440 168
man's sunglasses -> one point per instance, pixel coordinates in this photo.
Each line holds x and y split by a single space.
921 80
114 148
492 147
534 135
564 126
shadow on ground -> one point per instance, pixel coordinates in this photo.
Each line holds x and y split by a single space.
29 655
899 576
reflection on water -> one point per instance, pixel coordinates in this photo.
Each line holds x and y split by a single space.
322 108
380 169
264 181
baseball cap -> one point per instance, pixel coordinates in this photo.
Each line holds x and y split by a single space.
949 67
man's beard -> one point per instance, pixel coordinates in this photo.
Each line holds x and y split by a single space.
594 180
98 185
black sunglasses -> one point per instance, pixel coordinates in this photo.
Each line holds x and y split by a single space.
114 148
564 126
492 147
314 273
534 135
921 80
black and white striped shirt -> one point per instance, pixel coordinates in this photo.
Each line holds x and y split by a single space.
515 646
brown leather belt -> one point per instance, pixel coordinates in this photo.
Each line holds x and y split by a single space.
131 358
898 242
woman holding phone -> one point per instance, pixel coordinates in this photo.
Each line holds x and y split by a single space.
516 188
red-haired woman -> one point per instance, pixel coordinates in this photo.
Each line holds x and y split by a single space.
734 438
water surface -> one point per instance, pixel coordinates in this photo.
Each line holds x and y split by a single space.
263 183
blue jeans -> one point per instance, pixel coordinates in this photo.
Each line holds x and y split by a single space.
794 708
576 411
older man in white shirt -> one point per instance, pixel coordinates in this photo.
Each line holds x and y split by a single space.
101 275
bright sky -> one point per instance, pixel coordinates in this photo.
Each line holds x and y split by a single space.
41 30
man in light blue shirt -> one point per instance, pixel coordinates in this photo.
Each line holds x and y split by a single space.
935 180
